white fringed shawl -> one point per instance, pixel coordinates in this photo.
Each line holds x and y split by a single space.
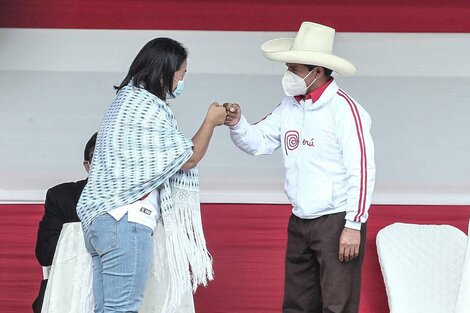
140 148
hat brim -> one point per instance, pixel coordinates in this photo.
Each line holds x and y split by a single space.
279 50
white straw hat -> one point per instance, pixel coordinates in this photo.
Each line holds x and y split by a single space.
313 45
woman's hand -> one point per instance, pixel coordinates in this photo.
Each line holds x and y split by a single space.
216 114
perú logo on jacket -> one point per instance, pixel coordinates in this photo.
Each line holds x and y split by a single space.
292 141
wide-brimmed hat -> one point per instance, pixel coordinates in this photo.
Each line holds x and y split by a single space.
313 45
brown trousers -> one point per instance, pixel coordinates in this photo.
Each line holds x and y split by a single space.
315 280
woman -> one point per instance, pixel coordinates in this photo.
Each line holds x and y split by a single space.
144 169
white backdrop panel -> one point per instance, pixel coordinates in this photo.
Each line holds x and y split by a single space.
55 86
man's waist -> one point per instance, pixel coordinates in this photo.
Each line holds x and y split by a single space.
313 213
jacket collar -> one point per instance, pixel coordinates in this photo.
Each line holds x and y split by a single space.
322 95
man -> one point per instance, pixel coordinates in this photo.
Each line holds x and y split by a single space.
60 208
330 173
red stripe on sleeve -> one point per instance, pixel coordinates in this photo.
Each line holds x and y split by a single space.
360 135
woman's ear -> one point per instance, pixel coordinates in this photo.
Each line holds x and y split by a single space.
86 165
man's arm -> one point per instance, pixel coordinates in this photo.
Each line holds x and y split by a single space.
260 138
353 132
49 230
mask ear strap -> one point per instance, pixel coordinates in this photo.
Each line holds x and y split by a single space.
309 75
312 83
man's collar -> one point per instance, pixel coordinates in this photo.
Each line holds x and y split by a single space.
316 94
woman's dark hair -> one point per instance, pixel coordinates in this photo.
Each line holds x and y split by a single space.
155 65
90 148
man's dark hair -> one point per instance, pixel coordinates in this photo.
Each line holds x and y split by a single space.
90 148
326 70
155 65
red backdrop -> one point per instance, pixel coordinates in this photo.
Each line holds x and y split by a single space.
247 15
246 241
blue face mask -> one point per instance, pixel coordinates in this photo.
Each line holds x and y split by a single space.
178 90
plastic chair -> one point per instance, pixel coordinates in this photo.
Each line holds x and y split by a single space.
422 266
463 299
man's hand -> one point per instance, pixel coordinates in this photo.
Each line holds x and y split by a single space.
349 243
233 114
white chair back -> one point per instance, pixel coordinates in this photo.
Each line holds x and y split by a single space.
463 298
422 266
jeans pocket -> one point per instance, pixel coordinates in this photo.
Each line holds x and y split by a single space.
143 229
104 234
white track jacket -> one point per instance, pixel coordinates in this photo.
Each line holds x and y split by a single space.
328 153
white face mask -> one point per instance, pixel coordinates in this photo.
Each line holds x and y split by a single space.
294 85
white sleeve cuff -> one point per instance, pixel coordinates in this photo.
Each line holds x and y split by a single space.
353 225
240 125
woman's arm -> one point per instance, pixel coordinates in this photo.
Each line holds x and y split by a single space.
215 117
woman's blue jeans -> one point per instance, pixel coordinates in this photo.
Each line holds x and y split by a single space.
121 253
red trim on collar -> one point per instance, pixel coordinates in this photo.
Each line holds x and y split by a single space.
316 94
